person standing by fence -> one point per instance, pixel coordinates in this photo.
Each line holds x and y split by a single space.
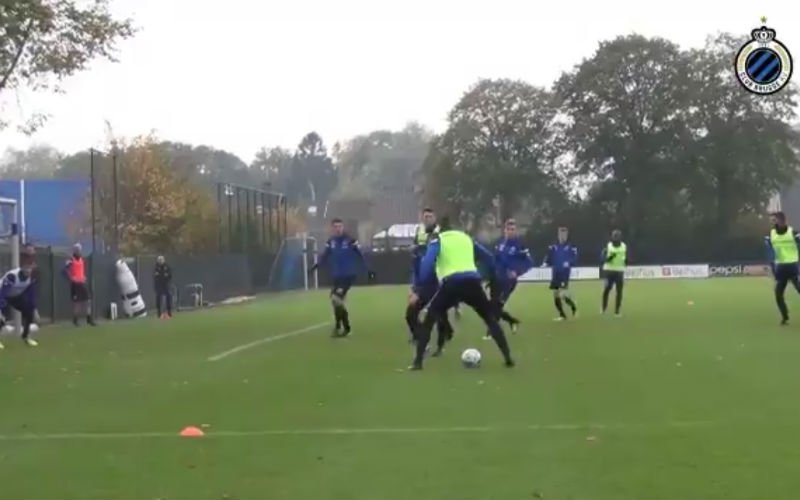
75 271
162 282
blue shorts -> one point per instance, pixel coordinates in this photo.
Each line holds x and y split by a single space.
560 280
342 285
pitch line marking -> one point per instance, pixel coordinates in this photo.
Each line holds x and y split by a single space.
266 340
77 436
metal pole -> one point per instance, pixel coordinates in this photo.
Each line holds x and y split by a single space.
248 222
271 223
305 260
238 221
116 202
93 189
229 195
285 218
219 217
263 225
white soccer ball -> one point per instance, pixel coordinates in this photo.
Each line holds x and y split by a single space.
9 328
34 328
471 358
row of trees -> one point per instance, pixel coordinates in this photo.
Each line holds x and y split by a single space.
643 135
660 141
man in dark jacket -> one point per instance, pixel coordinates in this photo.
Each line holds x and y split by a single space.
162 281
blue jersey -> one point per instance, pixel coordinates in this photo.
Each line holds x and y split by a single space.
343 255
18 285
560 258
428 266
511 256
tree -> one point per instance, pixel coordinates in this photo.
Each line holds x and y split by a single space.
744 148
274 166
42 42
40 161
159 209
495 153
381 162
627 108
313 175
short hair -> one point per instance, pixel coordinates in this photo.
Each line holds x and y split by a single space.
444 223
780 216
427 210
563 229
336 220
510 222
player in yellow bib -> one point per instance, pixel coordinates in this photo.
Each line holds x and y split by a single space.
615 259
782 246
451 257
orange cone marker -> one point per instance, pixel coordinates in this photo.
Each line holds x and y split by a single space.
192 431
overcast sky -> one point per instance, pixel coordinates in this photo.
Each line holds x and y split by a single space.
241 74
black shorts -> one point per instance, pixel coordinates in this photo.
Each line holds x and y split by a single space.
79 292
615 277
786 273
26 310
559 281
342 285
453 292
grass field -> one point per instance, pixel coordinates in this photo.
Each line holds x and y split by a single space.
672 401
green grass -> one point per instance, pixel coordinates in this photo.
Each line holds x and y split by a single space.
670 402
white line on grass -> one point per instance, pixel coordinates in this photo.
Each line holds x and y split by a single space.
350 431
267 340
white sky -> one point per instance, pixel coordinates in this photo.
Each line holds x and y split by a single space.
242 74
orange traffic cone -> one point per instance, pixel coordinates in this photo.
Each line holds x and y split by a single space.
192 431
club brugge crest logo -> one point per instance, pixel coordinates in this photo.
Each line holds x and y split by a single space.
763 65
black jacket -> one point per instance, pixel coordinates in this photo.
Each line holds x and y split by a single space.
162 276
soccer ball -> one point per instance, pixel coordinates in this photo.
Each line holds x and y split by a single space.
9 328
34 328
471 358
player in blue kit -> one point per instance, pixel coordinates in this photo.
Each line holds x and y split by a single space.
423 291
560 257
344 258
18 292
512 260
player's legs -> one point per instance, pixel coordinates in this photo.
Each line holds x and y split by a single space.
608 285
27 314
168 297
782 278
5 315
620 285
566 295
159 299
81 304
505 295
471 293
555 286
444 299
413 309
340 314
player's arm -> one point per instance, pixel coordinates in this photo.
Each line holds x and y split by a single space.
427 268
323 257
5 288
485 257
548 257
360 255
770 253
527 260
573 256
65 270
